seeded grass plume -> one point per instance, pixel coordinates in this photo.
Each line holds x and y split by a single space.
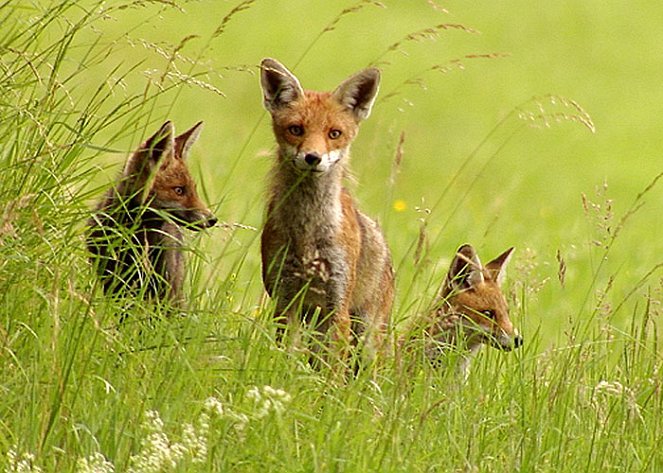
444 159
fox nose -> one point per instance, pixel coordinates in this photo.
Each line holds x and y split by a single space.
212 221
312 159
517 341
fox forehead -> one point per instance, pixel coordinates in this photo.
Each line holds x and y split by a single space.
484 296
316 110
172 173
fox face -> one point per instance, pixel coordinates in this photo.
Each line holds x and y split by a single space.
160 177
314 130
474 305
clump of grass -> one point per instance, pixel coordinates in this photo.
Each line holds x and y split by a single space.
53 120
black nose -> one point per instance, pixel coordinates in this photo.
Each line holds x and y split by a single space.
312 159
518 341
212 221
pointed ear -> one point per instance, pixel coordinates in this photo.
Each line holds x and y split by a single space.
465 270
358 92
496 269
184 141
157 147
279 86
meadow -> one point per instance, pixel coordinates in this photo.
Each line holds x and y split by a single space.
499 124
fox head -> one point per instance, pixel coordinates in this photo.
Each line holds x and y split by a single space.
474 305
314 130
157 174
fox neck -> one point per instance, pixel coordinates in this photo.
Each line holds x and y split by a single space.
304 200
129 210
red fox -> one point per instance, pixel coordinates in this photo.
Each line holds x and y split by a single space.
470 311
323 261
134 234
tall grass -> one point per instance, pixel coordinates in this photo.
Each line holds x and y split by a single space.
211 391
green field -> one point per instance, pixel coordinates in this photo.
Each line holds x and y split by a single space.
534 125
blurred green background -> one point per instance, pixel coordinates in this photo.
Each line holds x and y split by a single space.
471 169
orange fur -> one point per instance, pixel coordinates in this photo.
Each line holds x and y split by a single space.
134 235
470 311
321 256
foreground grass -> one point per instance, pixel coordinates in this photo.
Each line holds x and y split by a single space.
211 391
75 389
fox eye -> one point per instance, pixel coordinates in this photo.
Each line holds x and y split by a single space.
333 134
488 313
296 130
179 190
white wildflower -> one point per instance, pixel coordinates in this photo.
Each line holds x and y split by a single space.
21 463
157 452
240 421
268 399
195 441
214 406
95 463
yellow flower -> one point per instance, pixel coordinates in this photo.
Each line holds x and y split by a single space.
400 205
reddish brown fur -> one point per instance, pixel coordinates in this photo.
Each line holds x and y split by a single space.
318 112
318 250
471 310
134 234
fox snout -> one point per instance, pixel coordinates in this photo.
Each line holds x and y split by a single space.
312 159
505 336
507 343
315 162
198 219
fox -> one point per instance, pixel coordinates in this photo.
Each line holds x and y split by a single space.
470 311
134 234
324 262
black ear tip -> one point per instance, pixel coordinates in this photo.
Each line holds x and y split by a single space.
269 64
466 250
166 128
374 72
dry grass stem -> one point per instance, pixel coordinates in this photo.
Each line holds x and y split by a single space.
240 7
542 117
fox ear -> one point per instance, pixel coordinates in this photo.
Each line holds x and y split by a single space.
185 141
496 269
358 92
155 151
465 270
279 86
157 147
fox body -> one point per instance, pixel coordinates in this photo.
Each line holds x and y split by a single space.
470 311
323 261
134 234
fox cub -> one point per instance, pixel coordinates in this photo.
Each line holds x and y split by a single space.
134 234
470 311
323 261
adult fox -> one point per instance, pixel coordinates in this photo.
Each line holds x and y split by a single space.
134 234
323 261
